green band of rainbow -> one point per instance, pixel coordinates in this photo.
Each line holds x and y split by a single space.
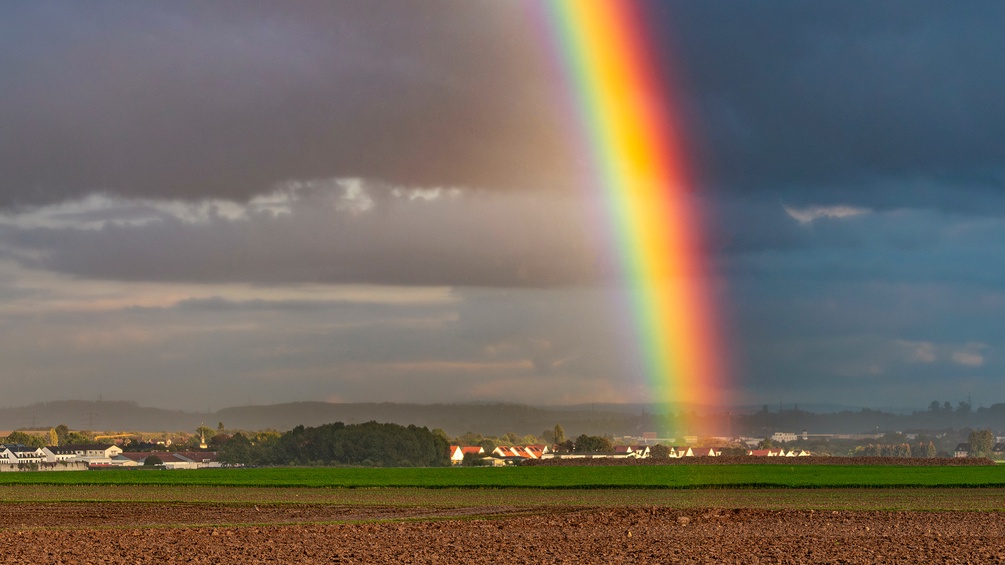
625 112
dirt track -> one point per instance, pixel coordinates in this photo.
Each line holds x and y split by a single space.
129 533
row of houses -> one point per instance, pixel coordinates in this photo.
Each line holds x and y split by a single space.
780 452
518 453
963 450
99 455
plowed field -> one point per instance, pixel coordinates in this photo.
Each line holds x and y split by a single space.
114 533
338 526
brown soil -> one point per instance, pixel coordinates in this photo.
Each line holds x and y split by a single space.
129 533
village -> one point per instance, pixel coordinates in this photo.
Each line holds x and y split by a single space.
24 450
82 457
509 455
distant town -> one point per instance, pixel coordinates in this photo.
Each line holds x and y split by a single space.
941 430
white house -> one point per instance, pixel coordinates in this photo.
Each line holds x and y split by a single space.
91 453
458 452
54 454
175 460
15 453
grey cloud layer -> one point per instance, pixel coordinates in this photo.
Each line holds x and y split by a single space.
335 233
267 351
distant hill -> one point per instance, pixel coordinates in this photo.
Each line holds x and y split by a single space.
101 415
499 418
455 419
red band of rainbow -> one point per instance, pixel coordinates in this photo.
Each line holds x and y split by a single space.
624 111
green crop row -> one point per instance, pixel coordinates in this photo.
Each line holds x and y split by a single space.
647 477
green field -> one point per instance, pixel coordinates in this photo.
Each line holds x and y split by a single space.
613 477
926 499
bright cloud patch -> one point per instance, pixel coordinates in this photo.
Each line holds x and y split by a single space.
808 215
971 355
97 211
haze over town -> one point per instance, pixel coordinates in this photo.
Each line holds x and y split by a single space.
206 205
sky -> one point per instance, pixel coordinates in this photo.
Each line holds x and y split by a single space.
211 204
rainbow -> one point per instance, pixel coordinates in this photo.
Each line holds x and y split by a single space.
624 113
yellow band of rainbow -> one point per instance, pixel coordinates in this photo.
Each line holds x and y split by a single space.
624 111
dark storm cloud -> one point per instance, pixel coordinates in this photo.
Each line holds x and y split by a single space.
224 99
881 103
849 101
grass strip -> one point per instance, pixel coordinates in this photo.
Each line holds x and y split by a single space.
615 477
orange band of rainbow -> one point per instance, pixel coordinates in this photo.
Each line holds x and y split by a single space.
624 111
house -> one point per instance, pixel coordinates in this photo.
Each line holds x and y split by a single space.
764 452
179 460
495 461
682 451
705 452
783 436
538 451
55 454
458 452
998 450
632 451
91 453
524 452
962 450
597 455
17 454
641 450
202 459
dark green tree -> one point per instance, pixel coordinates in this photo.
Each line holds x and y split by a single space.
659 451
29 440
567 446
236 451
588 444
370 444
473 460
203 432
62 431
77 438
981 443
152 461
558 433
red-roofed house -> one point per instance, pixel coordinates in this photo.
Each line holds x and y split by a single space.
458 452
522 452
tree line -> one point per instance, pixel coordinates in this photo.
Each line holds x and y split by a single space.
370 444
